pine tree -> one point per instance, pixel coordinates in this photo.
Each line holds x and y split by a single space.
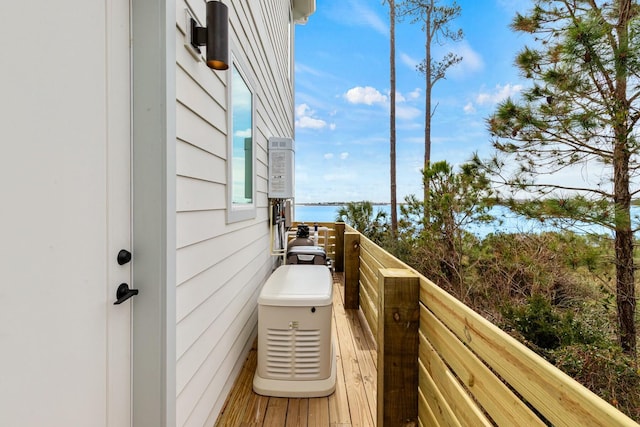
580 112
435 19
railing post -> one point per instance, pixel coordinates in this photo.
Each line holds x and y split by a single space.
398 324
351 269
339 255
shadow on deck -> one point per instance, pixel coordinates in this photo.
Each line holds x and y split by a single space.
353 402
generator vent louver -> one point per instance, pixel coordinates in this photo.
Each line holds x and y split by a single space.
293 353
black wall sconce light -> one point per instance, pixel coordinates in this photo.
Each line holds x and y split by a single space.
215 35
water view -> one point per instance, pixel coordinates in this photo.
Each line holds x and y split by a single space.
506 221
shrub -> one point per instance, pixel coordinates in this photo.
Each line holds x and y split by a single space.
361 216
513 267
545 326
604 369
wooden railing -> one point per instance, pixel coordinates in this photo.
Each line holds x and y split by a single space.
470 372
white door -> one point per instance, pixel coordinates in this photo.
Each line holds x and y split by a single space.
119 217
65 213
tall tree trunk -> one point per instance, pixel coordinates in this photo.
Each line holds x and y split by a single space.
392 118
427 113
625 281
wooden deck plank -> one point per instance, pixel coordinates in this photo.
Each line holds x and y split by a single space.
276 415
240 397
366 356
361 414
364 345
348 406
338 401
256 409
318 412
298 413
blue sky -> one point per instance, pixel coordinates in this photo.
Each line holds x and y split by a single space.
342 96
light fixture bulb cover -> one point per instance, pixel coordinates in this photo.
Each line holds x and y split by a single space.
217 35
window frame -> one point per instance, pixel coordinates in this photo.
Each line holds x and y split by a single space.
237 212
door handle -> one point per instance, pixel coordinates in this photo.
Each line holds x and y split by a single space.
124 293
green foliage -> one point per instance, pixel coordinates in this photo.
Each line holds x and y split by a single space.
456 199
579 112
552 290
514 267
437 245
574 112
567 212
360 215
592 252
545 326
606 370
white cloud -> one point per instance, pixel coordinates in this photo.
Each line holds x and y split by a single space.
408 60
469 108
305 119
411 96
332 126
310 123
414 94
329 156
357 13
368 17
498 94
471 60
305 69
243 133
302 110
406 112
365 95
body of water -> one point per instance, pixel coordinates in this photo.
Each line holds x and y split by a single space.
506 221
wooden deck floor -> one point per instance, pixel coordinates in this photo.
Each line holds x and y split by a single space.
352 404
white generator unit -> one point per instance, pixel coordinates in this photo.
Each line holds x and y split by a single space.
296 352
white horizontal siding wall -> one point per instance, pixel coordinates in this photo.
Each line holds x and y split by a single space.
221 267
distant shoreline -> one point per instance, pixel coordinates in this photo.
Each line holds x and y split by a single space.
337 203
634 202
